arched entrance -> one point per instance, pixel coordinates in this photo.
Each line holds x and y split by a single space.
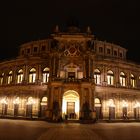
111 105
70 105
98 108
44 106
124 109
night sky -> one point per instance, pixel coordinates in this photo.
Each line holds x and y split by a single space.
116 21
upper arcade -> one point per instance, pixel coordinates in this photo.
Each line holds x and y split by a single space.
72 41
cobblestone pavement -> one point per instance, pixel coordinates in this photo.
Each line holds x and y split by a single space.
40 130
70 132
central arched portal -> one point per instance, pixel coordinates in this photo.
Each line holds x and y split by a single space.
70 105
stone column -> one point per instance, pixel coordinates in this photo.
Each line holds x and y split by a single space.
50 103
25 74
53 65
117 77
86 66
39 73
14 76
84 69
81 103
60 100
104 76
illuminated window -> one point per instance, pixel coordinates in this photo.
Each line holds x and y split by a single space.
111 103
16 100
1 78
20 76
46 75
124 103
97 76
44 101
122 79
4 100
110 78
30 101
10 77
32 75
97 102
132 80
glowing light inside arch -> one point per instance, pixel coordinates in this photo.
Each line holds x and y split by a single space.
16 101
124 103
111 103
70 96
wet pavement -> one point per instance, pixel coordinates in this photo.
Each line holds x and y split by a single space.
41 130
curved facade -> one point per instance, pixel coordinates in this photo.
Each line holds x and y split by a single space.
70 75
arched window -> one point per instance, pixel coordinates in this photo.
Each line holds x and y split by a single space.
111 103
97 76
32 75
46 75
9 77
97 102
16 100
44 101
132 80
124 103
20 76
30 101
1 78
110 78
122 79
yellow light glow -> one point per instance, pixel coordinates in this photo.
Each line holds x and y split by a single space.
137 105
3 101
70 96
124 103
16 101
30 101
111 103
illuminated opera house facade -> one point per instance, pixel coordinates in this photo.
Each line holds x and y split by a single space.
70 74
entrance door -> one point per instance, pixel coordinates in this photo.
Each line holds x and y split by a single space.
111 113
98 113
16 106
71 110
124 112
70 105
29 110
136 113
4 109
